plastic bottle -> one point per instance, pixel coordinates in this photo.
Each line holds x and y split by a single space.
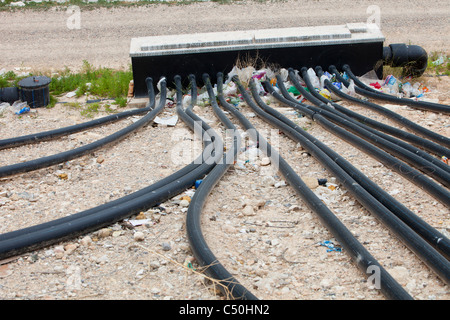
314 78
20 107
407 89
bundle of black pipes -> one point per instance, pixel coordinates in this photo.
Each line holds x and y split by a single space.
45 234
431 246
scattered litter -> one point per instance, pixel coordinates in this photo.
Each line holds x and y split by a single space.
438 61
294 91
325 93
17 4
139 222
71 94
20 107
331 247
314 78
170 121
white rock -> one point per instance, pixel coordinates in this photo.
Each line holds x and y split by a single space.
401 274
138 236
17 4
265 161
248 210
280 184
86 241
311 182
184 203
325 283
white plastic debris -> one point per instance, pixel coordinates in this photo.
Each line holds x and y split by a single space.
169 121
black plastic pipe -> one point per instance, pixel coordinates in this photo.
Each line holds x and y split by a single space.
57 133
200 161
445 141
78 152
419 246
81 223
413 59
410 154
203 254
434 189
363 259
366 91
423 143
430 234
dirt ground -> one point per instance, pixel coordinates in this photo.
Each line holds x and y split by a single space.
260 230
44 40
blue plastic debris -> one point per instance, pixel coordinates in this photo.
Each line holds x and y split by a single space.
330 246
197 183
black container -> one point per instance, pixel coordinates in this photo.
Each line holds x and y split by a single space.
34 90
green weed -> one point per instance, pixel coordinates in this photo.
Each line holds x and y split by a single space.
101 82
438 64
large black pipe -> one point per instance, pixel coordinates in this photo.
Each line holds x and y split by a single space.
412 58
56 133
363 259
203 254
433 188
78 152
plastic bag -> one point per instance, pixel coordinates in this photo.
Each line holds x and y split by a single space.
3 107
314 78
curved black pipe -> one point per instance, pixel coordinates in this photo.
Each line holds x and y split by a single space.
203 254
363 259
412 58
393 115
426 144
434 189
430 234
199 162
395 147
80 223
56 133
418 245
78 152
365 90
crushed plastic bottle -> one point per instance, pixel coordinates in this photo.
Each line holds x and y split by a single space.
392 84
407 89
20 107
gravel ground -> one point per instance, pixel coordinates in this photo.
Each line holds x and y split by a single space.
257 226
